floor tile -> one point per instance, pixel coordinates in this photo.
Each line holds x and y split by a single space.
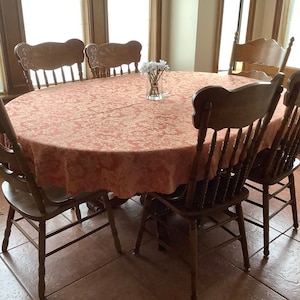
111 281
281 270
92 269
10 288
62 268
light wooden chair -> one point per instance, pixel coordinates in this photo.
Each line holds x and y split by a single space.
50 63
36 205
229 144
273 170
113 59
260 59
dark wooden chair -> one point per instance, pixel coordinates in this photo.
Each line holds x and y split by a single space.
36 205
260 59
273 170
51 63
230 127
113 59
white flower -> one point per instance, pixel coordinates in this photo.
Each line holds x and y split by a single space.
154 67
154 70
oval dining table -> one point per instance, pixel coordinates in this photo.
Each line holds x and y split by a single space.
104 134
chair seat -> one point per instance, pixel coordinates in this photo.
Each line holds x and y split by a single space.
257 172
178 206
25 203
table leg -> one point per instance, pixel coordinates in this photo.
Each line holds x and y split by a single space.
160 214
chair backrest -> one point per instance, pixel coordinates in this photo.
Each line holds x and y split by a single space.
260 59
111 58
51 62
13 165
230 127
285 147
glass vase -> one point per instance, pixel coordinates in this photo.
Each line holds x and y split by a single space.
155 88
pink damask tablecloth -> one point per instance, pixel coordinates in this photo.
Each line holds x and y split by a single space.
104 134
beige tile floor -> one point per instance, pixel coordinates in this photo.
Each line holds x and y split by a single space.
91 269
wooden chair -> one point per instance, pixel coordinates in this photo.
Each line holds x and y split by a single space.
113 59
50 62
36 204
234 123
273 170
260 59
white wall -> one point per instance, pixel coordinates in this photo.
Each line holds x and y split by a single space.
188 34
189 31
264 18
206 37
180 43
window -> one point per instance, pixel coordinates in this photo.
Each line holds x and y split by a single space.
60 20
233 10
56 21
293 31
129 20
52 20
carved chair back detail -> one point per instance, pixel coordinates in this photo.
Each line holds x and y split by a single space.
51 63
261 58
113 59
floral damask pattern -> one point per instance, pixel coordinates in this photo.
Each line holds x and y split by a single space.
104 134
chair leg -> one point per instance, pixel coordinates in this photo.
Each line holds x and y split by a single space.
78 212
193 235
161 217
112 224
146 205
243 239
266 219
293 200
42 254
10 217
